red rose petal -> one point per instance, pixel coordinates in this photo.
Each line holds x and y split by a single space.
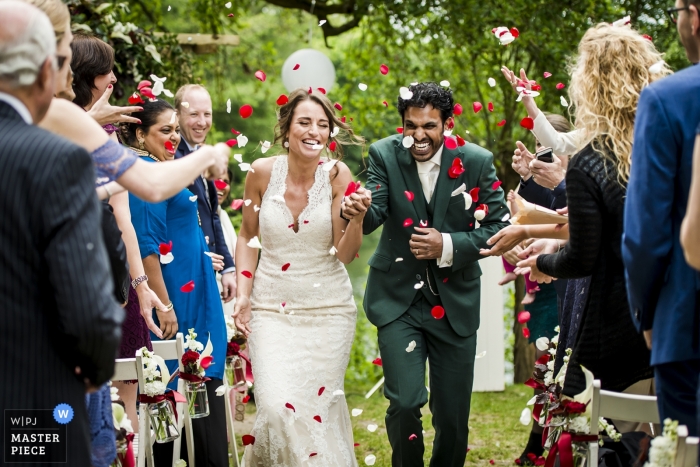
248 439
377 361
474 193
523 317
296 67
647 37
144 84
412 437
460 141
310 90
245 399
527 123
332 147
261 75
458 109
235 132
526 333
135 99
321 389
456 169
282 99
477 107
378 187
483 207
384 69
247 274
423 224
491 462
169 146
306 222
438 312
560 86
352 188
230 15
147 92
408 222
514 32
547 74
313 454
399 129
496 184
290 406
285 266
490 106
501 123
409 195
338 106
450 142
206 362
321 90
187 288
343 119
317 418
246 110
220 184
165 248
236 204
386 104
536 87
356 444
231 143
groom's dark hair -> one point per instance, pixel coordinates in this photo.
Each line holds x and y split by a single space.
429 93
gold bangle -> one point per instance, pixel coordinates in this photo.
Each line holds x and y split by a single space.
109 194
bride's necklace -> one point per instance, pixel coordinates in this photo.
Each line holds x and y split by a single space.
141 152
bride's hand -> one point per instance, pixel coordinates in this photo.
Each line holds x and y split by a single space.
242 314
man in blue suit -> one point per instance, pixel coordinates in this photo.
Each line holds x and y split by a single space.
194 109
663 290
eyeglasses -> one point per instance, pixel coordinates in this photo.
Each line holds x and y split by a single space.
60 60
673 13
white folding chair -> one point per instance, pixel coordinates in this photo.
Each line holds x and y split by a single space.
618 406
127 369
687 449
173 350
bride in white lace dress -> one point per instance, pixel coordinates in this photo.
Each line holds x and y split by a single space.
296 304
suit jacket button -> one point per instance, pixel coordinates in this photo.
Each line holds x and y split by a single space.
418 276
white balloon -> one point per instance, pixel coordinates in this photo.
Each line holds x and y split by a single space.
315 70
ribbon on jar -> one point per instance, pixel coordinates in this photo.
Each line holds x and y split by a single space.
171 396
564 448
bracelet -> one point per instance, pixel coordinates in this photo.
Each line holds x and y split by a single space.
168 308
135 283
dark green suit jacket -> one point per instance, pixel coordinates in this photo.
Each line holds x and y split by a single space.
390 284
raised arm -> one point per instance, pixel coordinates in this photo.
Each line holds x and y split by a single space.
78 268
690 229
347 236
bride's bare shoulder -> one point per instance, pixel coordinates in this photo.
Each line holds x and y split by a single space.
70 121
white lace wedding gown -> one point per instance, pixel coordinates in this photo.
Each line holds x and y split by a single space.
302 327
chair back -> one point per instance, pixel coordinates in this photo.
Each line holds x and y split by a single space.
686 449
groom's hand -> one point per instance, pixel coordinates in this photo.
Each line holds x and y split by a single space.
426 244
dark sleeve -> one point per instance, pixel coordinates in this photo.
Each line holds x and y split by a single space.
536 194
579 255
78 266
378 184
221 247
559 193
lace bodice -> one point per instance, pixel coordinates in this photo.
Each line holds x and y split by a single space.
297 268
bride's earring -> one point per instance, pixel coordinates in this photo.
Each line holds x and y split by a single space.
141 144
286 144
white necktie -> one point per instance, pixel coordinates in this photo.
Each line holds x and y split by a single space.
427 179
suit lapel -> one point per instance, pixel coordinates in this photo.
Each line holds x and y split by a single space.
444 187
409 170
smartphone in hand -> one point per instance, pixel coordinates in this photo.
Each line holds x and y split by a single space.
545 155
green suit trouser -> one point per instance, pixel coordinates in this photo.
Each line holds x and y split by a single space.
451 366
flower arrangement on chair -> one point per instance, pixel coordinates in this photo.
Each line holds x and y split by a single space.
195 365
123 432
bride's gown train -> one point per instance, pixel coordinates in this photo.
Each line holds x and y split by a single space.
302 326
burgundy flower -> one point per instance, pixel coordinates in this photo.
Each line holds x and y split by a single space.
575 407
232 349
190 357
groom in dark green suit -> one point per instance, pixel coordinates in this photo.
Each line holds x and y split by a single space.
423 289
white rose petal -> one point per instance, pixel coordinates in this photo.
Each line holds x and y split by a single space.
371 459
317 284
322 22
408 141
542 343
460 189
193 198
228 5
173 117
506 217
228 106
242 141
278 198
356 412
467 200
405 93
166 259
418 285
221 390
332 251
282 307
397 260
656 67
500 30
265 146
444 83
168 93
411 346
151 49
525 416
186 105
563 102
506 38
244 166
372 427
623 21
480 355
362 86
447 132
329 165
254 243
256 208
492 82
157 87
335 131
238 158
247 202
479 214
169 7
338 392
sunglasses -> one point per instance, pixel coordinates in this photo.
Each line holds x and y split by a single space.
673 13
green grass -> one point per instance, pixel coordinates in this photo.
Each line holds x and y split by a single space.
495 432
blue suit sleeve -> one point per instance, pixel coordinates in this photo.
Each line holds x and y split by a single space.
149 221
536 194
221 247
647 238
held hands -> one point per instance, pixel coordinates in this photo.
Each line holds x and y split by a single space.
228 286
529 256
103 112
242 314
505 240
221 154
217 261
427 244
168 323
548 175
354 207
148 300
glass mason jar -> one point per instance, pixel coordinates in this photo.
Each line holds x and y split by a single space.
163 421
197 400
235 373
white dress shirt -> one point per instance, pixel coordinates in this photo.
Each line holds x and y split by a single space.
428 173
18 105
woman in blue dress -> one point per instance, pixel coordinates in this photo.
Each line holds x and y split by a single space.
183 278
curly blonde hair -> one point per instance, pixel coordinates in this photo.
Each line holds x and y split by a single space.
607 76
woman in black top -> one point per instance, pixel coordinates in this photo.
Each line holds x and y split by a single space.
612 68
